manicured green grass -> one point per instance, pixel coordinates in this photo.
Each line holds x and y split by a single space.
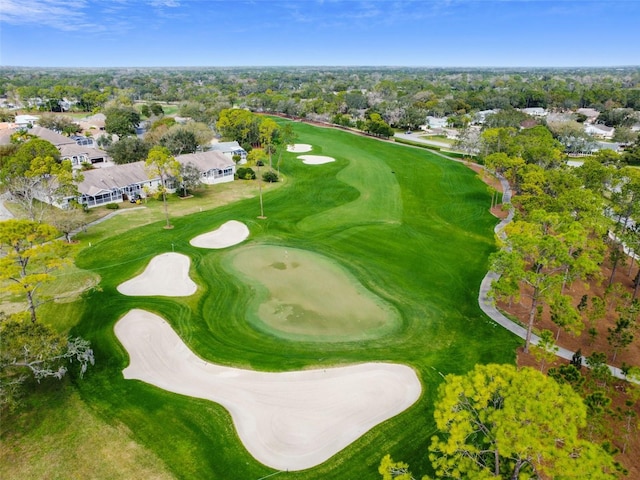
411 227
301 295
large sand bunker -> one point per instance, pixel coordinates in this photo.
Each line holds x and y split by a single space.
288 421
166 275
299 148
315 159
229 234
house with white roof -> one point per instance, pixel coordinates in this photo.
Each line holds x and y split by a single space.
436 122
535 111
25 121
600 131
230 149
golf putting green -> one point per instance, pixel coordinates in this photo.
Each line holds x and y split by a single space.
306 296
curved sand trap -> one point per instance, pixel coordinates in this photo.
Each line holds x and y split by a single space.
315 159
291 420
166 275
229 234
299 148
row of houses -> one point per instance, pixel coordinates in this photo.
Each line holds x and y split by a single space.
107 182
121 182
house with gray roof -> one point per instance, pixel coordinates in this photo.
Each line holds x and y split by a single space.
80 155
50 136
115 184
120 182
215 167
73 148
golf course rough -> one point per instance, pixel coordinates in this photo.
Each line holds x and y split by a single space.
301 295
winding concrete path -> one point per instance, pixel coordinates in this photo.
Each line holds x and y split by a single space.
488 307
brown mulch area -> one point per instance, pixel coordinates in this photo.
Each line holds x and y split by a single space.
614 426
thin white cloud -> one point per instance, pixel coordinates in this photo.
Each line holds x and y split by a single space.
75 15
165 3
60 14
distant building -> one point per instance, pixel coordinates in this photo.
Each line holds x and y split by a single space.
481 116
26 121
535 111
599 131
230 149
436 122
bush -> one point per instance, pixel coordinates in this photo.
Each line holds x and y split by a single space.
270 177
245 174
112 206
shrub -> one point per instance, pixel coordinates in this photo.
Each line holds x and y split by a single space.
246 174
112 206
270 177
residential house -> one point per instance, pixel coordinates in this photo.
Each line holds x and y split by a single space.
230 149
599 131
215 167
481 116
535 111
115 184
71 148
590 113
51 136
80 155
119 182
436 122
26 121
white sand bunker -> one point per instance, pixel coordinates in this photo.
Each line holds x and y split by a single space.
291 420
229 234
166 275
315 159
299 148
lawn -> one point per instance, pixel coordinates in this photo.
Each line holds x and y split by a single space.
411 228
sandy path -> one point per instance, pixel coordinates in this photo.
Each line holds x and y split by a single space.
229 234
291 420
166 275
299 148
316 159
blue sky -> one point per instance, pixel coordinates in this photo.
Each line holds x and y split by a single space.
467 33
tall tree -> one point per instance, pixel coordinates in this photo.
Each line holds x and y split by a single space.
30 255
121 120
34 173
178 140
497 421
287 137
33 349
128 150
160 164
268 135
534 258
